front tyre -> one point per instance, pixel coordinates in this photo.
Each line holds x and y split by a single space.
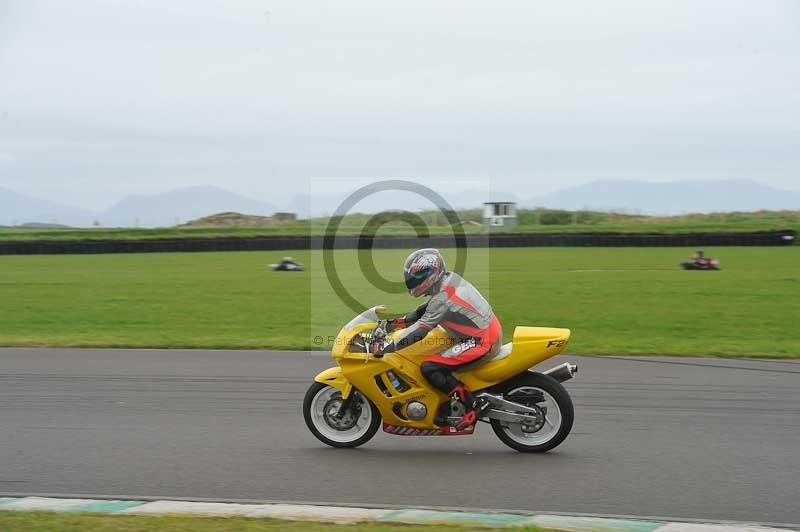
556 413
322 410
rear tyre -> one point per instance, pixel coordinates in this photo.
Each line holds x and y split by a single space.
321 409
548 395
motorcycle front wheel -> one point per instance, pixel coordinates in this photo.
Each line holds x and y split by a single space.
322 410
554 403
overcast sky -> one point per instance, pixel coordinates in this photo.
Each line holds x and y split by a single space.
99 99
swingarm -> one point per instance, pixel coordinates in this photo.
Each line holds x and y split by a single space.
509 411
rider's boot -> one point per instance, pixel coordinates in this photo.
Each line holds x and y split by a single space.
472 406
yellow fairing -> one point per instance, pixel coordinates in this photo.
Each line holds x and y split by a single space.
531 345
334 377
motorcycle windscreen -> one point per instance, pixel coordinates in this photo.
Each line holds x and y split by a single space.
371 315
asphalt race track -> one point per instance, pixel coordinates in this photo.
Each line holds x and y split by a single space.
674 437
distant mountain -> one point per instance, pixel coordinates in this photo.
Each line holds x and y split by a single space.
185 204
180 205
670 198
17 209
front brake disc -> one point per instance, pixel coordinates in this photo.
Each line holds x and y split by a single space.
347 421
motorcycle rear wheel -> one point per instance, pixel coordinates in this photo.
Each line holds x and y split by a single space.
558 419
352 431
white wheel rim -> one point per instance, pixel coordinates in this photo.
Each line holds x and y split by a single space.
361 426
552 425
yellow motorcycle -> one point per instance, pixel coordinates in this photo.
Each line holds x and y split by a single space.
528 411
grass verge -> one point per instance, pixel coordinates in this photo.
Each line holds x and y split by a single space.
14 521
529 221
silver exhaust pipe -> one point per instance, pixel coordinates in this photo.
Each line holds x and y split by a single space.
562 373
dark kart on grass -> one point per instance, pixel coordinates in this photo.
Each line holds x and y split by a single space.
702 264
288 264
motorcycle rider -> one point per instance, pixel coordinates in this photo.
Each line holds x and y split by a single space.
458 307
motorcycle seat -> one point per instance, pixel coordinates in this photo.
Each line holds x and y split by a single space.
504 351
526 335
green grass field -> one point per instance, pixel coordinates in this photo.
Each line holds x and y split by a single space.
615 300
530 221
64 522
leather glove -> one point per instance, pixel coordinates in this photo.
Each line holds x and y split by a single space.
378 352
397 323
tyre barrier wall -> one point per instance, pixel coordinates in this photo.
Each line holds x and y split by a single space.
272 243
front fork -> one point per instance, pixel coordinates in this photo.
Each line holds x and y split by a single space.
346 403
333 377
